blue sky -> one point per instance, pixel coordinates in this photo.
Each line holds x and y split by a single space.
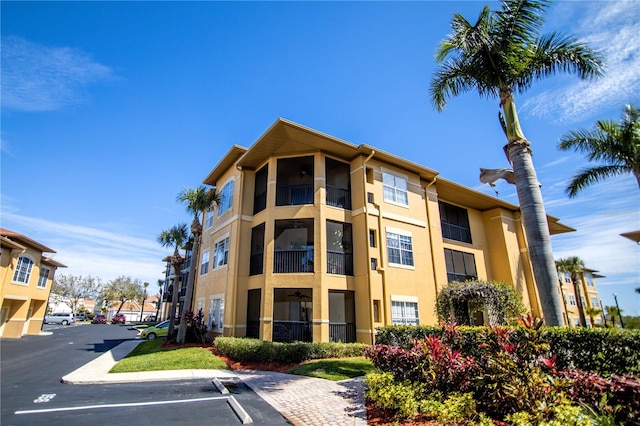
110 109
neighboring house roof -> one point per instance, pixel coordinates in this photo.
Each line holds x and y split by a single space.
15 236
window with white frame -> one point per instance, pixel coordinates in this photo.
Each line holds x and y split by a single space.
221 253
208 219
567 277
399 249
204 264
23 270
216 312
44 276
225 198
572 300
589 279
404 313
395 189
594 302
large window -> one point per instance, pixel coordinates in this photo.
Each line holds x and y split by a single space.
44 276
455 223
216 313
460 266
23 270
399 249
221 253
256 263
208 219
226 198
204 265
572 300
404 313
260 191
395 189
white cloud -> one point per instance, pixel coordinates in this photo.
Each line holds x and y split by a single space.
93 251
613 29
42 78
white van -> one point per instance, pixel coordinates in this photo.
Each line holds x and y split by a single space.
64 318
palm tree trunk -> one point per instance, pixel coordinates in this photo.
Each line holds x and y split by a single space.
176 262
576 290
196 230
534 221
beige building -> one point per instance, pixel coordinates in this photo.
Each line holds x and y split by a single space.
26 274
588 294
317 239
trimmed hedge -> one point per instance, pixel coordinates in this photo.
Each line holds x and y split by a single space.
604 351
255 350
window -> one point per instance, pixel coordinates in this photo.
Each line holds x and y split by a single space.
204 265
594 302
257 250
374 264
399 249
572 300
208 219
576 322
369 173
376 310
216 312
372 237
395 189
460 266
221 253
23 270
567 277
260 190
226 198
370 197
589 279
454 221
404 313
44 276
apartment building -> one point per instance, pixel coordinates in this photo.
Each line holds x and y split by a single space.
26 274
587 294
317 239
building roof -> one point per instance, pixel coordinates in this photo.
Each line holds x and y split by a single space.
633 236
23 239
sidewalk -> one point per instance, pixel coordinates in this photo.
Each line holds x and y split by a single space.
304 401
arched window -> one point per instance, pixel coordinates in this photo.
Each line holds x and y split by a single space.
23 270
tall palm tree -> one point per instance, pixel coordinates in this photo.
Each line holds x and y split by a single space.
616 146
613 312
176 237
196 200
574 266
503 53
159 302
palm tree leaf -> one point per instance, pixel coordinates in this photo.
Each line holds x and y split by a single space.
592 175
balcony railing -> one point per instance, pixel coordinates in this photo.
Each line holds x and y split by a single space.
293 261
292 195
338 197
339 263
344 332
291 331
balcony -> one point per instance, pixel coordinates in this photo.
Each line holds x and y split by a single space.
344 332
291 331
293 261
338 197
293 195
339 263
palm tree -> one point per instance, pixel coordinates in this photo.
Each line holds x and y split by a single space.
592 312
503 53
615 145
159 302
574 266
613 312
176 237
144 297
196 200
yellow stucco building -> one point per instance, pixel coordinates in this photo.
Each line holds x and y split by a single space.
26 275
317 239
587 292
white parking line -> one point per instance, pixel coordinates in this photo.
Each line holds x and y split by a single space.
130 404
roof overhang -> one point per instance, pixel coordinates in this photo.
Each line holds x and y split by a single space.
49 261
16 237
227 161
633 236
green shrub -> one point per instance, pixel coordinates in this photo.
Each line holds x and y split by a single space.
401 397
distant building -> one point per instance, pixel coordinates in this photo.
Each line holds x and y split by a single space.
26 274
317 239
588 294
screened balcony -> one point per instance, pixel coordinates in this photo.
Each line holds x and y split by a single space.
342 325
294 185
293 246
338 184
292 315
339 248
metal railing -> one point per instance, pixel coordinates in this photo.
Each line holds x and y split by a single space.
293 261
338 197
344 332
292 195
339 263
291 331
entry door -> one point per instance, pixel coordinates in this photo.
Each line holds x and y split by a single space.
4 317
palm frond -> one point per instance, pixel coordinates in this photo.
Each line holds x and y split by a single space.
592 175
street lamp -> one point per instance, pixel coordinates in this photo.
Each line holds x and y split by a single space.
615 297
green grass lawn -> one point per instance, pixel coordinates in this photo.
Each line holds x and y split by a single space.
149 356
335 369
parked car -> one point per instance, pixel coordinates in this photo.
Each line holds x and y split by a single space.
118 319
158 330
64 318
80 317
99 319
